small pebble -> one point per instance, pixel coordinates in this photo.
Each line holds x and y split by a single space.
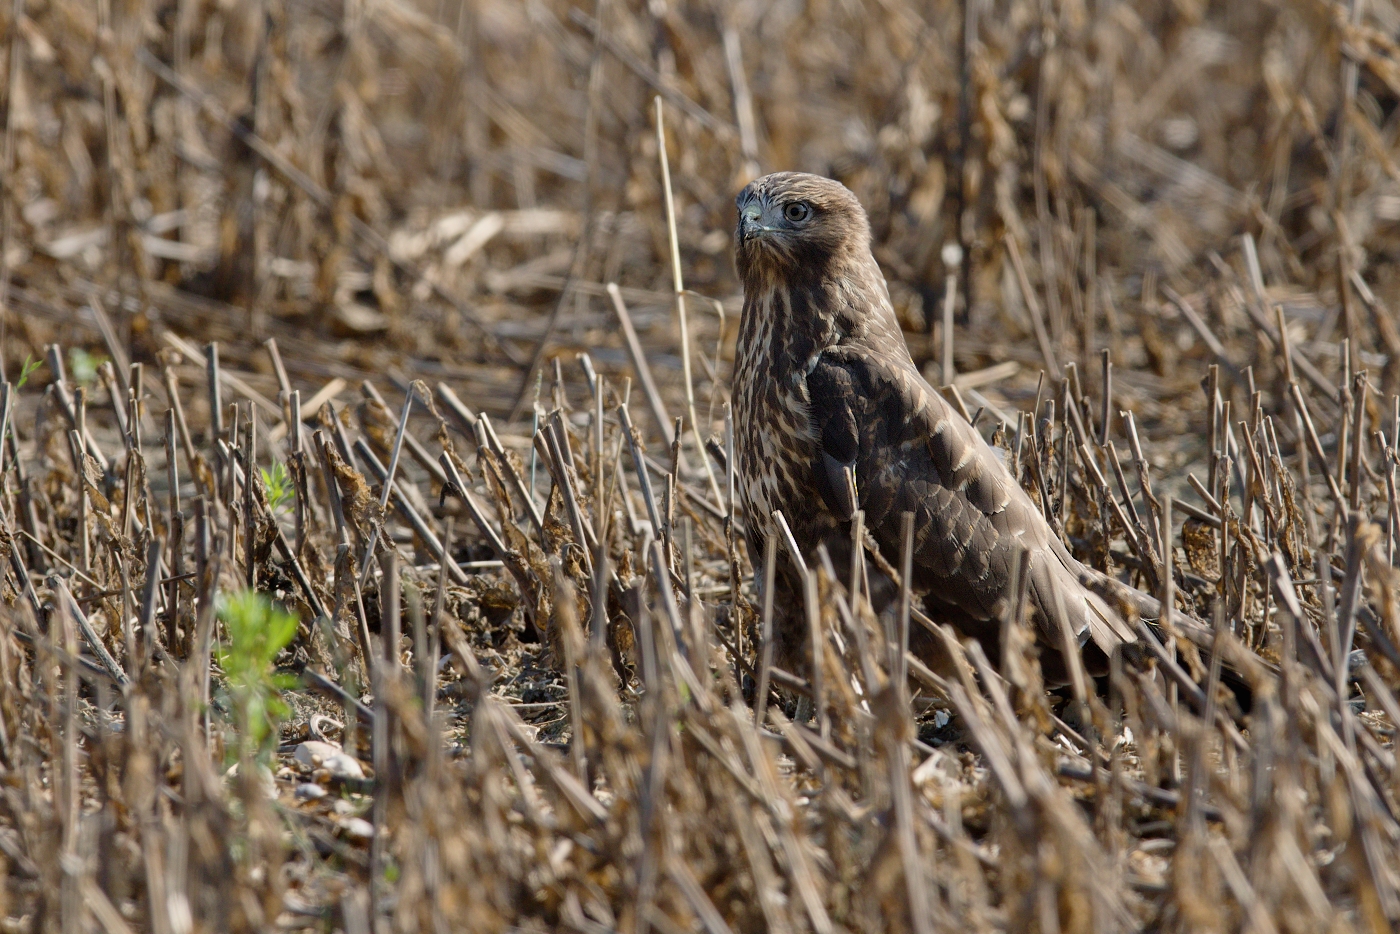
309 791
337 762
357 828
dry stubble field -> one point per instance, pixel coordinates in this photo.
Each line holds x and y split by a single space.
236 232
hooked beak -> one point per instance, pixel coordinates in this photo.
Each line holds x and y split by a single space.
749 223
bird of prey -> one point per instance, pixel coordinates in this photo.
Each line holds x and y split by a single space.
832 416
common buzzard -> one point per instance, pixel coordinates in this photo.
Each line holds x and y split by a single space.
832 416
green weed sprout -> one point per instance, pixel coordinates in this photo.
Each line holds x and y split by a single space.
279 485
30 365
257 630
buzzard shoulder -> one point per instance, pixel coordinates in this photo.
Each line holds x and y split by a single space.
874 414
909 451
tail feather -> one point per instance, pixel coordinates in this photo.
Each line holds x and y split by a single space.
1090 616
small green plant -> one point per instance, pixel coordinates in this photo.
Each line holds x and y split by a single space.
279 485
83 366
26 371
257 630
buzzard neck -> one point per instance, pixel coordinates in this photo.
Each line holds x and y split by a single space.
786 323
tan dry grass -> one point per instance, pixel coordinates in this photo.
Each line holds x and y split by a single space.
443 192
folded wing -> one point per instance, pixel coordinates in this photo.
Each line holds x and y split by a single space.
909 451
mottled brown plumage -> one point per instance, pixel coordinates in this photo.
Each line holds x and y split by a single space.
825 389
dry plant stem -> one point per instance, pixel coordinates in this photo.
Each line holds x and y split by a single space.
419 524
699 902
1381 316
794 552
669 500
74 416
94 642
127 606
459 486
1066 443
68 784
653 711
415 448
1239 884
817 649
1197 779
388 482
109 339
640 365
150 593
344 549
279 370
250 479
1277 331
115 395
84 547
661 573
313 599
297 459
1350 599
1206 496
1316 445
598 615
564 479
1069 649
898 667
743 99
176 521
857 579
1101 485
570 637
427 655
1393 525
362 636
383 673
680 303
1154 518
1147 540
324 448
1358 433
950 298
464 420
7 409
494 445
1042 339
765 666
634 444
1297 622
172 392
214 384
1204 332
1106 412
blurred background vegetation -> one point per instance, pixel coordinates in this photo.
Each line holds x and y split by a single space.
386 184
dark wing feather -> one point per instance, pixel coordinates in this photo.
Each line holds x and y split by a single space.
911 452
836 426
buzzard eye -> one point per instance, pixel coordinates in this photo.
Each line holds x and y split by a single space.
797 212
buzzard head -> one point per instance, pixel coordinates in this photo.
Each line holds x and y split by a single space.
792 224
